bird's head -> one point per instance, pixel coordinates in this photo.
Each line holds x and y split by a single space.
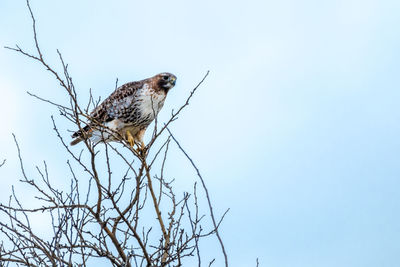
165 81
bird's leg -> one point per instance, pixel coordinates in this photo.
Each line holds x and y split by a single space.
130 138
139 138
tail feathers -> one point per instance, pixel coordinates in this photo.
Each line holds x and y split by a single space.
75 141
78 135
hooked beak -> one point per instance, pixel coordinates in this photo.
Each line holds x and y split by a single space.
173 80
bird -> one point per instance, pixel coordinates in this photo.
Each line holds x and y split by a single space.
127 112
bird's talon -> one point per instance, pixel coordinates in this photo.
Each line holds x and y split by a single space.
130 139
141 148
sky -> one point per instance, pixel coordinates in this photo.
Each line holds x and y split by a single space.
296 129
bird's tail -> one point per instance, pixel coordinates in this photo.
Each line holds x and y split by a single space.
79 135
75 141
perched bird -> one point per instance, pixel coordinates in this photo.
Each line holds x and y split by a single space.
127 111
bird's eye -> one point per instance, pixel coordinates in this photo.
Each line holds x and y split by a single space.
165 78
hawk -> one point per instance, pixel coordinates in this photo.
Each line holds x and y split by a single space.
127 111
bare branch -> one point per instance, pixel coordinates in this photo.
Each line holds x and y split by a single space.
115 203
208 198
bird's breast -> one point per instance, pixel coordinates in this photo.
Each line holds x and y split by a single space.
150 102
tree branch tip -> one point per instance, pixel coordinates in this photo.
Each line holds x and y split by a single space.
101 206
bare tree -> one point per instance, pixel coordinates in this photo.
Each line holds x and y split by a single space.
119 206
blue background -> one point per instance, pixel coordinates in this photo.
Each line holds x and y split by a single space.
296 129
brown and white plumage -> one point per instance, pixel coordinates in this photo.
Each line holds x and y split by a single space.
128 110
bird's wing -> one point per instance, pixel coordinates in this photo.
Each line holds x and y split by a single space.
115 105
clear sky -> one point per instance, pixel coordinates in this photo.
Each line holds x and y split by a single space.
296 129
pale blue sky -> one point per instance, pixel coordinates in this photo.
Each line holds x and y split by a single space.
296 130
